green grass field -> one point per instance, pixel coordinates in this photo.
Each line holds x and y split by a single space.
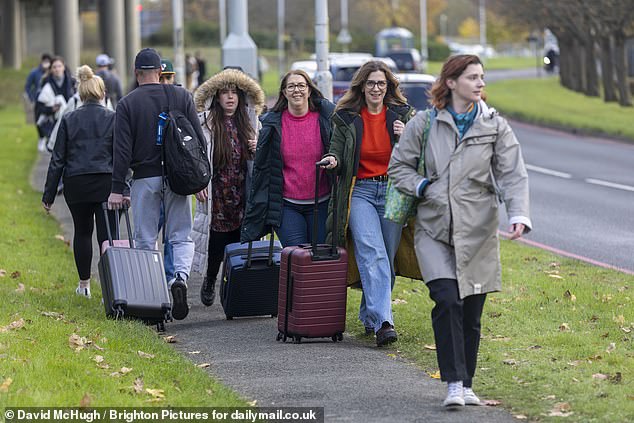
557 339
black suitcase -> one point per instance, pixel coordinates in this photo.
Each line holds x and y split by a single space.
133 280
250 278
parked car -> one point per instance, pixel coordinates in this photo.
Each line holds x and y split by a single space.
415 87
407 60
343 66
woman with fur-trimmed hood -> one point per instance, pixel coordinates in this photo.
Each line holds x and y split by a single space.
228 104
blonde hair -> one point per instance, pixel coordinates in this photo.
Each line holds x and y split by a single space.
91 86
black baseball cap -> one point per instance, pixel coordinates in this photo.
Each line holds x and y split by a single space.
147 58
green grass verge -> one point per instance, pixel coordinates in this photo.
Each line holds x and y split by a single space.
38 365
544 101
559 337
494 63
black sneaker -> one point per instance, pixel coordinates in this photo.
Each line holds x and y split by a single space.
386 335
208 291
180 308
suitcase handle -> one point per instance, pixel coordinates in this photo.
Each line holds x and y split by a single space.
321 253
104 206
250 251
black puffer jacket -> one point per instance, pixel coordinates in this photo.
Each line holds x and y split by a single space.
264 206
84 146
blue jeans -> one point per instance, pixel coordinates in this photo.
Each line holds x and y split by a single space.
168 250
375 240
297 223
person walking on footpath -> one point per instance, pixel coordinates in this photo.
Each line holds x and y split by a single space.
34 83
135 146
114 90
83 154
470 153
368 120
229 104
295 134
57 88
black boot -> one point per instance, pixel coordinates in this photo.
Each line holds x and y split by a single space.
208 291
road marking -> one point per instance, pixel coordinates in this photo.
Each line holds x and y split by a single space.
564 253
609 184
548 171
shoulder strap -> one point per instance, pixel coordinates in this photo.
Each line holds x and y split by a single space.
169 93
431 116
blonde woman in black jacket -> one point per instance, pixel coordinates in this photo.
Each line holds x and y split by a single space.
83 154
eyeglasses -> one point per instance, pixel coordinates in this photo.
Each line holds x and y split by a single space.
301 87
370 84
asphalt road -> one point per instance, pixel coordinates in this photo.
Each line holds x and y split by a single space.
582 194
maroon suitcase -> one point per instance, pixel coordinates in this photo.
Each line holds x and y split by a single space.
313 288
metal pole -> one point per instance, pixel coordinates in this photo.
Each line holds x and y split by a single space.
239 48
222 15
179 42
483 29
423 33
323 77
132 35
12 50
344 37
281 66
66 32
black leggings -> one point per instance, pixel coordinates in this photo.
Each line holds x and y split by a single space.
217 243
84 217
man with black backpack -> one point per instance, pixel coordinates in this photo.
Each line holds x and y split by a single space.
139 144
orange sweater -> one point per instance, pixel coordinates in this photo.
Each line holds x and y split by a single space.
376 148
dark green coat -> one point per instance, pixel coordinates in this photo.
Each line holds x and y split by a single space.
345 146
264 206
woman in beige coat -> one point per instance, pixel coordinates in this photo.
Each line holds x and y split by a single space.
228 105
472 159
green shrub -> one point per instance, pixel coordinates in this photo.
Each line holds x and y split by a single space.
438 52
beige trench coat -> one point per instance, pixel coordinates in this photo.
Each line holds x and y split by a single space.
457 219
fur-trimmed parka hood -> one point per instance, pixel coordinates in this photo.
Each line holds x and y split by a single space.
206 92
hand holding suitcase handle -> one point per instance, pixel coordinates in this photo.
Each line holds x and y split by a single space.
333 248
125 208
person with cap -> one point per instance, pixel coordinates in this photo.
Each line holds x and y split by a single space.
114 91
135 146
168 76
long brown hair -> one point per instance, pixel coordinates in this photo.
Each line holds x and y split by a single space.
282 103
216 124
354 99
454 66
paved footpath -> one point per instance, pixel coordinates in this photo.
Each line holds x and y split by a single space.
353 380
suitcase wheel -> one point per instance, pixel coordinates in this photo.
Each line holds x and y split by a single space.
279 336
274 315
337 337
297 339
118 313
160 327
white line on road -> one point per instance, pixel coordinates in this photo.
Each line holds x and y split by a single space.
548 171
609 184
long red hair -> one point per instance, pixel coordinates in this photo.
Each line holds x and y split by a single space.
453 67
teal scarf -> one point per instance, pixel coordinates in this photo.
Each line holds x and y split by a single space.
464 121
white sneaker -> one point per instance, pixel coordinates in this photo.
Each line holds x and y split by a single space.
454 395
470 398
84 292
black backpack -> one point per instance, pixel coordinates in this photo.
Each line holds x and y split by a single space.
184 155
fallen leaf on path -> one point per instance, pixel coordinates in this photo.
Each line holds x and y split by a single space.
5 385
570 296
60 237
13 326
252 403
77 342
16 274
3 273
145 355
170 339
138 385
97 347
103 366
435 375
194 352
156 393
510 362
20 288
564 327
520 417
399 301
209 392
626 330
125 370
85 401
98 359
203 365
555 276
492 402
599 376
430 347
617 378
